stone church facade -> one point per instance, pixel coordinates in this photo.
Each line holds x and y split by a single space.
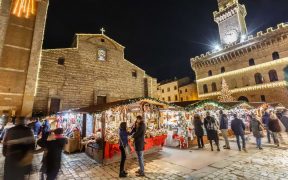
93 71
253 66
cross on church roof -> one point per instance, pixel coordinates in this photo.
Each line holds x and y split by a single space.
102 30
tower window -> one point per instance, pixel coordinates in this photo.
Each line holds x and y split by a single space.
186 90
259 78
162 90
222 69
209 73
61 61
273 76
180 91
169 98
214 87
275 55
176 98
251 62
175 87
168 89
205 88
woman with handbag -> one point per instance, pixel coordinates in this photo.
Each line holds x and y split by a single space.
257 129
123 144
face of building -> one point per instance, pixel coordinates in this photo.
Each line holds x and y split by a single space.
253 66
169 92
93 72
21 36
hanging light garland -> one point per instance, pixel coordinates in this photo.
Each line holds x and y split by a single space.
24 8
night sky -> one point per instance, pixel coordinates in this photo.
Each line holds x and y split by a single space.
160 36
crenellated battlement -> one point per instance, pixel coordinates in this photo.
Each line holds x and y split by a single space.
248 44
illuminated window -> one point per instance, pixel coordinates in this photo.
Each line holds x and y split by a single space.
222 69
273 76
205 88
209 73
275 55
258 78
251 62
61 61
214 87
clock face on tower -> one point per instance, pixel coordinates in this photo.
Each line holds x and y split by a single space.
230 36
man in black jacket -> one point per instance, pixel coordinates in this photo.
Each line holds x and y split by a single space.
18 146
139 138
238 127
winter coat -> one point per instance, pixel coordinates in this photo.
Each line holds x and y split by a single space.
255 127
139 137
199 131
45 129
265 119
123 135
18 144
223 122
54 153
37 128
238 127
274 125
284 120
211 127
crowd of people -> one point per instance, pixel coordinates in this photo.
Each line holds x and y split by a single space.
22 139
267 123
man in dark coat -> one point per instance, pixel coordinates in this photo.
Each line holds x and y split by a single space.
139 140
211 126
224 128
18 145
238 127
265 120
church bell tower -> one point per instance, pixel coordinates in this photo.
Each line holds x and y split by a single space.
231 21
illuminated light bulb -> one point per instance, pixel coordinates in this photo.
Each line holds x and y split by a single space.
23 8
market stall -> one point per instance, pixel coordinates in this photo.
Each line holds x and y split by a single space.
106 121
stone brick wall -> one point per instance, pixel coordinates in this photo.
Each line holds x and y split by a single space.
83 77
20 48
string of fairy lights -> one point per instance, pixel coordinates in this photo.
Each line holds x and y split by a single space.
24 8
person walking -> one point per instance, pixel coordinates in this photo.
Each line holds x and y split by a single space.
265 120
18 145
199 132
257 129
45 130
123 143
211 127
6 127
139 138
224 128
238 127
275 128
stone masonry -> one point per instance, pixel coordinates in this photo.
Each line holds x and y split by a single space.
82 77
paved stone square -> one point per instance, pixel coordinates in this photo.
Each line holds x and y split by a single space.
270 163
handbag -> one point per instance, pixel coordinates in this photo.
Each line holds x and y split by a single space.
127 149
261 134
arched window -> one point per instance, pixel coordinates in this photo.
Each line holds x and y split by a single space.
251 62
258 78
214 87
243 98
222 69
205 88
209 73
273 76
275 55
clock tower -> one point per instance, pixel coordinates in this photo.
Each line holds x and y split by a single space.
231 21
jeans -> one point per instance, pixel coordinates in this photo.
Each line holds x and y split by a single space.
243 141
224 134
258 142
123 159
269 134
140 155
200 141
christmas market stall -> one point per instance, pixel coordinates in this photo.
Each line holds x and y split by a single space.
106 121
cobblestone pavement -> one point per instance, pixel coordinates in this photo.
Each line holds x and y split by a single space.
270 163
